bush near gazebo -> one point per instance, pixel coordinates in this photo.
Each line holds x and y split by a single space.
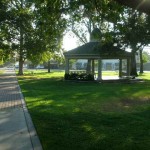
79 76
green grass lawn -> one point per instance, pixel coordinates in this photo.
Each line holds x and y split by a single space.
88 116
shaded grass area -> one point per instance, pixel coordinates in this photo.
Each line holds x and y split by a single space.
88 116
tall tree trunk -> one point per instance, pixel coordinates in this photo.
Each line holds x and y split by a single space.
133 64
21 61
141 62
49 66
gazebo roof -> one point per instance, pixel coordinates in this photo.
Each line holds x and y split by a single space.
95 49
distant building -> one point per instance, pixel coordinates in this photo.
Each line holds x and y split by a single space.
107 64
146 66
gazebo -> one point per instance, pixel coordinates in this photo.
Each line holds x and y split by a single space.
94 50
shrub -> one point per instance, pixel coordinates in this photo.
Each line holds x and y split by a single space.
79 76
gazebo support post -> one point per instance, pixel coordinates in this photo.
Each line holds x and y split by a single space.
128 67
93 66
88 71
99 69
120 67
67 66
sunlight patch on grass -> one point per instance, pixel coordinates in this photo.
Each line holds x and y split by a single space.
76 110
93 133
145 75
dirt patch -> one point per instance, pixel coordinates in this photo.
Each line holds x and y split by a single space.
124 104
135 102
111 107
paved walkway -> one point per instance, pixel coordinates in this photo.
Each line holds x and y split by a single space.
16 128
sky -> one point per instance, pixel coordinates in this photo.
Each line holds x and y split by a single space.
70 41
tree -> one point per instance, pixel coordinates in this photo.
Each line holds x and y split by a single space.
124 26
33 27
5 50
146 57
84 17
17 23
134 32
49 27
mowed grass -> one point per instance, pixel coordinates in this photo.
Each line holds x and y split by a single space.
88 116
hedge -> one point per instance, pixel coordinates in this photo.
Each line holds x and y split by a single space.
79 76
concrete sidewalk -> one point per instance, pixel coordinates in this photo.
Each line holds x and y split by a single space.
16 128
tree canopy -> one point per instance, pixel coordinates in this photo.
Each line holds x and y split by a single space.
31 28
34 29
121 25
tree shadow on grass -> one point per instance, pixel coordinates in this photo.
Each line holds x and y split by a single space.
92 131
91 116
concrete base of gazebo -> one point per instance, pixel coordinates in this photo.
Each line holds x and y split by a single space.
112 79
124 79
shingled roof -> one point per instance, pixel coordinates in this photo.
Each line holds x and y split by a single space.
97 50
